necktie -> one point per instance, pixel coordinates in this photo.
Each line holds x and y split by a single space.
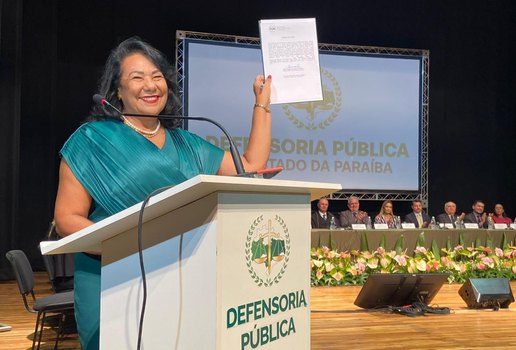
478 219
355 216
419 220
324 216
451 219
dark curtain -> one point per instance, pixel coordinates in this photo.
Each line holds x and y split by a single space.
28 154
38 126
10 89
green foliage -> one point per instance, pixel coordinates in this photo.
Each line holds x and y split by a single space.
420 242
400 243
489 240
364 244
382 241
435 249
333 245
448 243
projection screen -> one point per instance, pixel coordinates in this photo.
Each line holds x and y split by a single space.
369 132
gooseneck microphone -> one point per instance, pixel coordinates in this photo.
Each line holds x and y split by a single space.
239 166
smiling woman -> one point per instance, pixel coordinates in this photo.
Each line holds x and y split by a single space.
113 161
386 215
143 90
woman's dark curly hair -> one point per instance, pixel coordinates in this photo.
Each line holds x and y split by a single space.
110 80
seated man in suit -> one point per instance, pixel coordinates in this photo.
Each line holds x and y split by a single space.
449 216
353 215
322 217
477 215
418 217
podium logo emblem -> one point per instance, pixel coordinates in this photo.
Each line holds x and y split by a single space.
317 114
267 250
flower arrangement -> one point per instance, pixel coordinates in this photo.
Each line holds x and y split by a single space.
332 268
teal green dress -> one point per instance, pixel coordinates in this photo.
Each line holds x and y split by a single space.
119 168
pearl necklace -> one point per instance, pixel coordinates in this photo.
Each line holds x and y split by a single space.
146 133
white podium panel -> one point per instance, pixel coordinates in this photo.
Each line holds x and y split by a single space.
265 259
238 280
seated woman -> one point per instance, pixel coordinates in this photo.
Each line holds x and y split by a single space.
386 216
499 216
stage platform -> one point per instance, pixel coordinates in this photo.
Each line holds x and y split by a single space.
336 323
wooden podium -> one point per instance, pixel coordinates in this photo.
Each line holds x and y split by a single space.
227 264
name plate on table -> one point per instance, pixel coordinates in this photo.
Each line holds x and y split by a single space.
448 225
500 226
470 225
381 226
358 226
409 225
512 226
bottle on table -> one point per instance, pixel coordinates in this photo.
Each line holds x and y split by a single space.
398 222
433 223
490 223
333 225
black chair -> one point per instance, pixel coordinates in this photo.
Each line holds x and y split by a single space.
58 282
60 267
60 304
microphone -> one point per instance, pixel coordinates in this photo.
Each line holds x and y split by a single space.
239 166
99 100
